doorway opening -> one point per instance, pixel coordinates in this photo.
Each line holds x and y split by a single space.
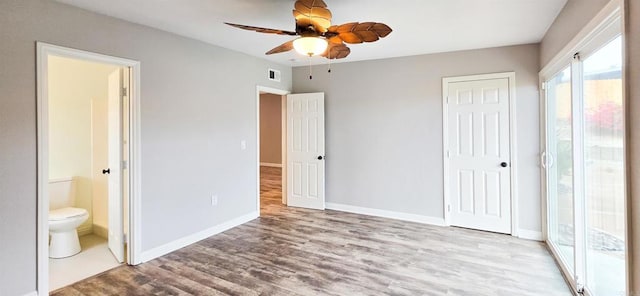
87 164
271 119
302 151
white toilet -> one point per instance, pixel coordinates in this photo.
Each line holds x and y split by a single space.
64 219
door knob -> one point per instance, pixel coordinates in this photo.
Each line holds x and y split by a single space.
320 157
106 171
504 164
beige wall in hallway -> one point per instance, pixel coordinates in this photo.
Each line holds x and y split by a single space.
270 128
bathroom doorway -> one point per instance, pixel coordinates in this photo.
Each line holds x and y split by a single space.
87 164
271 118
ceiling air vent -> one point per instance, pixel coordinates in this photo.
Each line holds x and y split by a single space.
274 75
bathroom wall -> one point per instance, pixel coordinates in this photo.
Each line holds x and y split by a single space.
74 86
270 129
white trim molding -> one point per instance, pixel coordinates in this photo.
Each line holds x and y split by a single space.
196 237
34 293
272 165
530 234
513 146
44 50
85 230
100 231
386 214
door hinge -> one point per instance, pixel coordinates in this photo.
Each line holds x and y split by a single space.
447 100
124 91
124 164
448 154
544 86
448 208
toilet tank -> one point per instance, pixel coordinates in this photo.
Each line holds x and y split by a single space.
62 193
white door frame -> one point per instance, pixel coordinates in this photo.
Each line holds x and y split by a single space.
283 136
511 76
134 232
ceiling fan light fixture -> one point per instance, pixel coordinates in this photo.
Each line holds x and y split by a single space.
310 46
317 37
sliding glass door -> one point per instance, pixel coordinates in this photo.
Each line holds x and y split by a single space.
584 167
560 163
604 169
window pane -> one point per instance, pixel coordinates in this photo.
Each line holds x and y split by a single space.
560 171
604 170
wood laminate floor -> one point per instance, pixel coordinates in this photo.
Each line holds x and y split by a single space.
290 251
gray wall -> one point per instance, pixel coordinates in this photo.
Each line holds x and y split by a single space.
633 142
271 128
384 127
198 102
573 17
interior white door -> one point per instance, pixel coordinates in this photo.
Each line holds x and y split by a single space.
305 150
479 154
114 117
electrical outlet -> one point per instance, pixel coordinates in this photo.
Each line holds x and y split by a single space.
243 145
214 200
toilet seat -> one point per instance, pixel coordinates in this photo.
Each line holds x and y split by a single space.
66 213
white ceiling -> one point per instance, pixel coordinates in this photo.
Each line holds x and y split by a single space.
419 26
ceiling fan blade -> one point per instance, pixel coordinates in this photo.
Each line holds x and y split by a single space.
263 30
284 47
360 32
336 51
312 12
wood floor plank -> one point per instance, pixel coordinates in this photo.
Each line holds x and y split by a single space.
293 251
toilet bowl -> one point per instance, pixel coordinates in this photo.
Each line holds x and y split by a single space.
64 240
64 218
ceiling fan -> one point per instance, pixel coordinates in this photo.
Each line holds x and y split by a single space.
318 36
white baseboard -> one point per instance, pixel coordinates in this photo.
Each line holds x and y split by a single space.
273 165
100 231
85 230
386 214
34 293
191 239
530 234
